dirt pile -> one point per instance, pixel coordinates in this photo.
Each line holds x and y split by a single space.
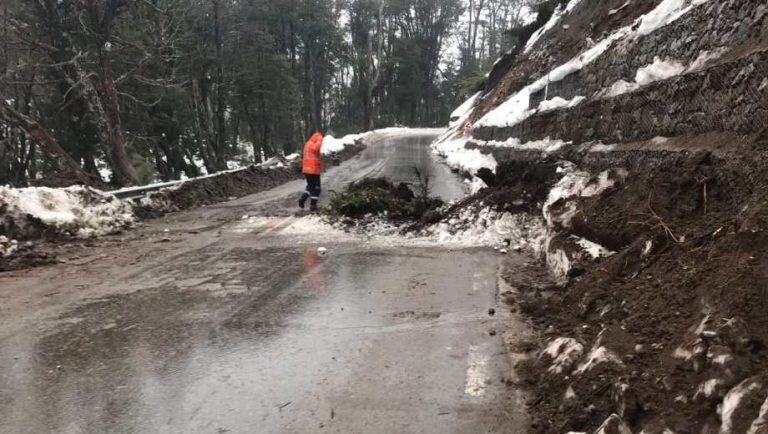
518 186
214 189
670 331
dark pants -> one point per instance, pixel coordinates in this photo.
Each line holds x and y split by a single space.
313 186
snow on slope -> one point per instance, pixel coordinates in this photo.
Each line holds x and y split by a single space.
556 16
516 108
460 115
78 211
545 145
661 70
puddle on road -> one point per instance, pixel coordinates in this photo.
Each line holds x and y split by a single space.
306 329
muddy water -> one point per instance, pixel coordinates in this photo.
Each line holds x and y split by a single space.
393 340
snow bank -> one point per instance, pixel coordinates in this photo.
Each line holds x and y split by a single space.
486 227
332 145
470 160
471 227
459 157
475 185
515 110
78 211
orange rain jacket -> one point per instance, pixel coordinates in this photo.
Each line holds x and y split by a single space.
312 164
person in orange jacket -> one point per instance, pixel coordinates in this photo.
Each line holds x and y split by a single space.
312 167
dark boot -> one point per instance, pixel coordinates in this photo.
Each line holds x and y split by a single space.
303 200
313 205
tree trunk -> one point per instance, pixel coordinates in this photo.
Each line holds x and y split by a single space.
44 140
124 174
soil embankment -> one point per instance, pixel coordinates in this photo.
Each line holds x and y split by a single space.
669 330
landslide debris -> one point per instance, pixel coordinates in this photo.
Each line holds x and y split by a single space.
378 197
669 333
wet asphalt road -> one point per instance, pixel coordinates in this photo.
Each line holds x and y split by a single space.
240 325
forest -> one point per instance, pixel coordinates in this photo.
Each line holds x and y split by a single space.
125 92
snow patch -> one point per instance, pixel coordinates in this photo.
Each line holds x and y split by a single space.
558 263
732 401
569 394
460 115
486 227
7 246
593 249
708 388
619 9
575 184
476 184
666 12
704 58
564 352
597 356
545 145
558 103
761 422
511 112
658 70
471 160
599 147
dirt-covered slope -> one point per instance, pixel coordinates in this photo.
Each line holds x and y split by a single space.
655 115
